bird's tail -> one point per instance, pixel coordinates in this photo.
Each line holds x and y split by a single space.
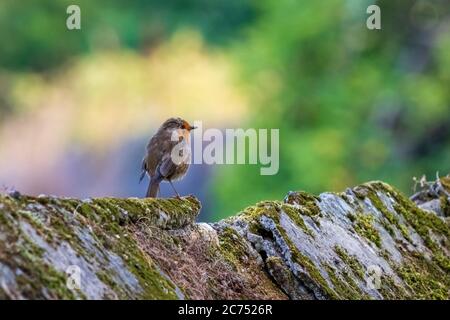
153 188
143 169
142 176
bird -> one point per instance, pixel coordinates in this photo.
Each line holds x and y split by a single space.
167 155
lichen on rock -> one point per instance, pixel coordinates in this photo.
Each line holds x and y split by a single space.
370 242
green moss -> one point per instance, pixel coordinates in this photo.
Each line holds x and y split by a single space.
155 285
108 279
105 219
282 274
424 280
231 246
427 279
345 198
370 191
313 272
109 218
363 225
344 285
270 209
253 214
423 222
404 231
390 289
445 182
22 254
386 225
442 260
311 269
445 205
351 261
308 201
178 212
110 221
295 216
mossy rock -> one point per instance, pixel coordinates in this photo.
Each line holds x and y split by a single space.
371 242
46 243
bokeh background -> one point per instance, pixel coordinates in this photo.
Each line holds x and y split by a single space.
352 104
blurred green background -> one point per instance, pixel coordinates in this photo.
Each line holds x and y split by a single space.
352 104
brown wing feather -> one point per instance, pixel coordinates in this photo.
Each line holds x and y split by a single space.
158 146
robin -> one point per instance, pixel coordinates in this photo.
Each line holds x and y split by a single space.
168 155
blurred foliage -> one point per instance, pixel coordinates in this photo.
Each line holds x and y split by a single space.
352 104
124 89
36 38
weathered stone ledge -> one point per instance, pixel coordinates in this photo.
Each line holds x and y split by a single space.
370 242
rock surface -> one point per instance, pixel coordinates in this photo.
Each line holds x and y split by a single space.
370 242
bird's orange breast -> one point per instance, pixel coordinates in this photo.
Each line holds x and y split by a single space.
183 133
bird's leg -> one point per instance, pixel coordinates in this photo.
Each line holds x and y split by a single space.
178 196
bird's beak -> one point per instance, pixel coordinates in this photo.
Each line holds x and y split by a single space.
192 128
